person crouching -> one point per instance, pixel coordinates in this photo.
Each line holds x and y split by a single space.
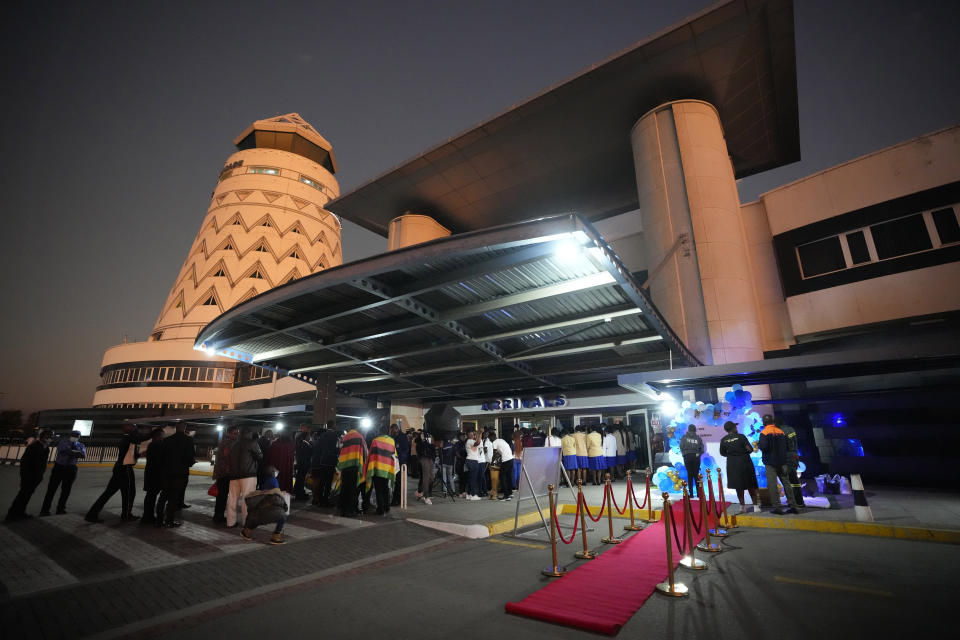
266 506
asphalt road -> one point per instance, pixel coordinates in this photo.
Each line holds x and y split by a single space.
393 579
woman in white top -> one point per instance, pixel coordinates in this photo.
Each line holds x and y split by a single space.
610 450
553 440
485 463
475 455
502 450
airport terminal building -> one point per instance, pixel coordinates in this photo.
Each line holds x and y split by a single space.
581 255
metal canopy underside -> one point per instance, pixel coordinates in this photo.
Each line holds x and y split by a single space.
568 149
879 361
540 305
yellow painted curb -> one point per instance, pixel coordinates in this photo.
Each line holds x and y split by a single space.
571 510
873 529
503 526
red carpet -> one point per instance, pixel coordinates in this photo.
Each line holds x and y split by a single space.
601 595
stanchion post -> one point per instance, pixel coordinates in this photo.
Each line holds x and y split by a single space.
723 498
586 554
670 587
403 486
649 501
633 526
689 561
611 539
705 544
554 571
718 529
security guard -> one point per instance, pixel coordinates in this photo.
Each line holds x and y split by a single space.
691 448
793 458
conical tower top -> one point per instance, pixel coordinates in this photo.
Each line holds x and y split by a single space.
289 132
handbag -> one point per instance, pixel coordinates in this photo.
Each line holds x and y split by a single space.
212 491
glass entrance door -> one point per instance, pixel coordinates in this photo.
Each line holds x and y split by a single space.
637 421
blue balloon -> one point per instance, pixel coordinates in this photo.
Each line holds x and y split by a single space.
666 485
729 396
737 387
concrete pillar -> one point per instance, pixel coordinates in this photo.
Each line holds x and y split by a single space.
325 402
411 228
685 183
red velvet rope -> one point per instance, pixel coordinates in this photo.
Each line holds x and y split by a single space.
717 511
646 494
613 499
587 508
576 522
673 525
693 518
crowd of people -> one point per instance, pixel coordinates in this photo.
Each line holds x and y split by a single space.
255 475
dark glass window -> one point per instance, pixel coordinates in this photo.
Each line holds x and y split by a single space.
900 237
193 373
947 228
822 256
858 248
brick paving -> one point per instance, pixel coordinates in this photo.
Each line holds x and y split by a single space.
98 605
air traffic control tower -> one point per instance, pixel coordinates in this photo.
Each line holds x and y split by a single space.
265 226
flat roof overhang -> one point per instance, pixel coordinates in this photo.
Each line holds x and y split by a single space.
568 149
292 414
857 363
540 305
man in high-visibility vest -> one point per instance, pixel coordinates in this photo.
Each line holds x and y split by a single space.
353 454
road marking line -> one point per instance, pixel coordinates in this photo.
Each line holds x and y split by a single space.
835 587
528 545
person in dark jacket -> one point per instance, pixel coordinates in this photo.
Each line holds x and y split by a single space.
326 455
740 474
773 444
793 458
153 477
33 464
122 479
64 472
264 442
304 458
245 458
179 454
691 448
403 455
266 506
221 472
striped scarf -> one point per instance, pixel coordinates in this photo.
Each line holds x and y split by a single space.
352 453
381 461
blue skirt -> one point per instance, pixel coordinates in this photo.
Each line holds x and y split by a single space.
621 458
597 463
570 463
611 461
582 462
631 455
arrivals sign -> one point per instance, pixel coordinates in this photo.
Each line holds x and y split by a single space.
534 402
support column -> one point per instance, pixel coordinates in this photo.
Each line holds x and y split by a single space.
325 402
685 184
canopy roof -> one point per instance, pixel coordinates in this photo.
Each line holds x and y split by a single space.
568 149
540 305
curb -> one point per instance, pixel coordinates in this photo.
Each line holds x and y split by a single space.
921 534
640 515
503 526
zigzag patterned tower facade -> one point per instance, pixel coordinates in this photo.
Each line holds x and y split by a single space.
266 225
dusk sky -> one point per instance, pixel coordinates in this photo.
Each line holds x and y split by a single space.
118 117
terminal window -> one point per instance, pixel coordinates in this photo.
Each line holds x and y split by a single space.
271 171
